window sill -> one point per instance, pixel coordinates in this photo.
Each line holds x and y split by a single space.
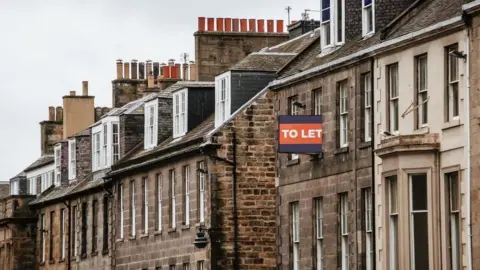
422 130
119 240
132 237
364 145
451 124
172 230
293 162
94 253
144 235
318 156
61 260
83 256
157 233
341 150
185 227
52 261
199 224
105 252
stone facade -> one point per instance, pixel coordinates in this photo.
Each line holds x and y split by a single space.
255 188
131 132
51 132
164 246
338 170
84 156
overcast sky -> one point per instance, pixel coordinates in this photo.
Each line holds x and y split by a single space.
48 47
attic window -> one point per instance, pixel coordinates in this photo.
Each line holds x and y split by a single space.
72 163
151 130
180 105
368 26
58 166
333 23
222 98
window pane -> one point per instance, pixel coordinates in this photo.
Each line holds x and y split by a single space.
420 240
419 192
340 20
367 2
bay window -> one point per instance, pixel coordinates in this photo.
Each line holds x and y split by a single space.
115 143
419 222
96 151
105 142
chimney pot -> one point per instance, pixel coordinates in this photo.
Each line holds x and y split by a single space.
201 23
59 114
156 70
141 70
236 25
270 26
119 69
150 81
134 69
51 113
73 93
149 67
85 88
220 25
243 25
280 28
228 24
171 62
193 71
252 25
211 24
261 26
166 72
126 70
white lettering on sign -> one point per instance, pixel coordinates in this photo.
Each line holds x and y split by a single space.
310 133
292 133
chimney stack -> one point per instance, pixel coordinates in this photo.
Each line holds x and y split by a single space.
193 71
126 70
85 88
119 69
51 113
141 70
149 67
134 69
185 72
59 116
150 81
156 70
73 93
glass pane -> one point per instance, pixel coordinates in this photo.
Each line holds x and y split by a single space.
420 240
453 182
393 193
455 98
419 192
367 2
369 19
326 15
453 66
339 20
325 4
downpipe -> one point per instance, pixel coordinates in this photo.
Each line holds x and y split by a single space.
468 178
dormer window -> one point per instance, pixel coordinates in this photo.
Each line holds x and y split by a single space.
14 187
368 26
115 143
151 120
58 163
333 23
180 105
105 143
96 150
222 98
72 162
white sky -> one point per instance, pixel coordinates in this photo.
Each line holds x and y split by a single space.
49 47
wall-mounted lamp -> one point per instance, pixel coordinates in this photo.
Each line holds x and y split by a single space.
458 54
202 171
298 104
201 240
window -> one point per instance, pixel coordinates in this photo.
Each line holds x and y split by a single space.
159 202
145 205
332 18
222 98
422 91
74 230
133 213
419 222
105 224
115 143
453 203
393 222
344 230
94 225
317 102
120 209
292 110
172 199
43 232
186 266
392 91
105 141
319 233
47 180
32 186
343 113
14 187
186 194
180 113
172 267
96 151
62 234
151 120
51 244
72 165
367 95
452 77
84 230
369 251
368 17
201 191
58 164
295 235
200 265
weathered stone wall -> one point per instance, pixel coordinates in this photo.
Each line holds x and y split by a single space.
50 133
131 132
84 156
126 90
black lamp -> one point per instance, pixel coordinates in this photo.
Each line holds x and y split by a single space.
201 241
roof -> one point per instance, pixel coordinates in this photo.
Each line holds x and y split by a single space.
166 149
189 84
54 193
270 62
40 162
4 190
426 14
85 132
298 44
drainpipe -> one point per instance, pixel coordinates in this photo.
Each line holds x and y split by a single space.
234 195
69 257
372 139
467 126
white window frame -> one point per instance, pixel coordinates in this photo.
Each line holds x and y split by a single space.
145 204
422 90
58 164
317 101
186 185
134 210
180 110
96 150
159 202
331 24
367 93
295 208
393 219
293 110
14 187
173 217
120 192
105 144
453 85
344 230
201 180
454 205
62 229
393 94
32 185
44 236
115 142
222 98
72 159
368 10
369 251
343 111
151 124
412 217
320 252
201 265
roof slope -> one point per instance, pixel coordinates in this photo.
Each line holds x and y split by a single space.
40 162
298 44
263 62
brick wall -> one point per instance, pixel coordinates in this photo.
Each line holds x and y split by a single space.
84 156
474 137
50 133
215 52
158 247
256 151
165 119
126 90
131 132
339 170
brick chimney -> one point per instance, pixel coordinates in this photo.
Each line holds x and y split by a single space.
119 69
51 113
134 69
126 70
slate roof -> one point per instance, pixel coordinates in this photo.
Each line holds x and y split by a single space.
298 44
85 132
269 62
425 14
53 193
40 162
